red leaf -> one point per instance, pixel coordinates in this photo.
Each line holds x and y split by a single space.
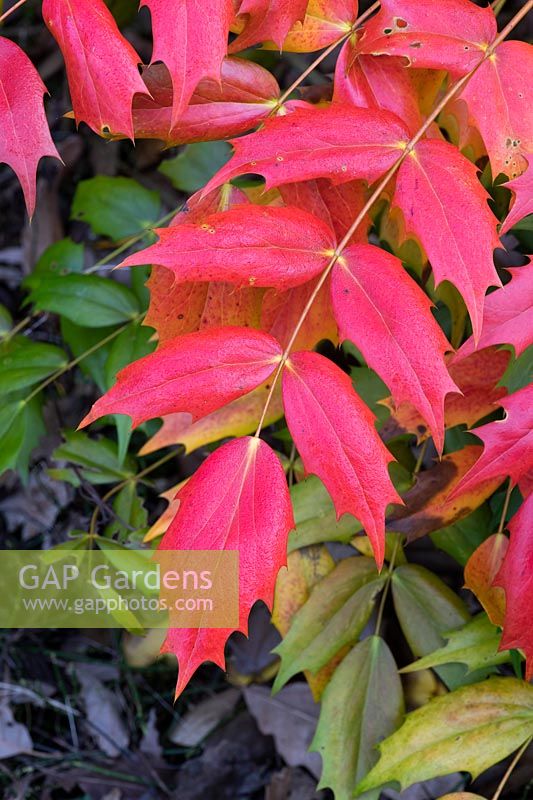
237 500
245 94
477 376
338 142
102 67
268 20
191 38
522 188
500 103
508 443
370 82
197 373
247 245
445 205
507 315
335 435
388 317
24 134
516 578
451 35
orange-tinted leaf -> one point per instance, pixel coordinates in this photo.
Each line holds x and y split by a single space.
477 377
191 38
245 94
480 572
508 444
406 349
247 245
102 66
237 500
197 373
453 35
325 22
336 438
376 82
24 134
500 102
507 315
282 310
516 578
434 502
238 418
445 206
267 20
339 142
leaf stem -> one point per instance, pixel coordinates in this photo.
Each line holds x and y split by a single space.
510 768
9 11
505 508
386 588
377 192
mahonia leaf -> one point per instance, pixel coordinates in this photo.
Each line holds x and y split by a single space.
91 42
218 109
438 498
335 435
445 736
354 718
237 500
516 579
24 134
500 103
191 38
268 20
339 142
445 206
453 36
481 570
522 204
507 315
477 376
248 246
406 350
508 444
197 373
369 82
325 22
238 418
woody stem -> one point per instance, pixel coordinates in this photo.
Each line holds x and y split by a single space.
377 192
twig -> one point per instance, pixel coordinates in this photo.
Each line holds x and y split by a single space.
510 768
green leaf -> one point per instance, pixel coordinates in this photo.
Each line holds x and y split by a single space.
371 389
133 343
21 427
467 730
354 717
86 300
97 458
475 645
115 207
60 258
461 539
80 340
6 321
131 516
335 614
426 609
519 372
24 363
315 517
195 165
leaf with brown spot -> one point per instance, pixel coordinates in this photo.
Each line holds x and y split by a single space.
428 506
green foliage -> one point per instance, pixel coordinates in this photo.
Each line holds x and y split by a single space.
195 165
115 207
